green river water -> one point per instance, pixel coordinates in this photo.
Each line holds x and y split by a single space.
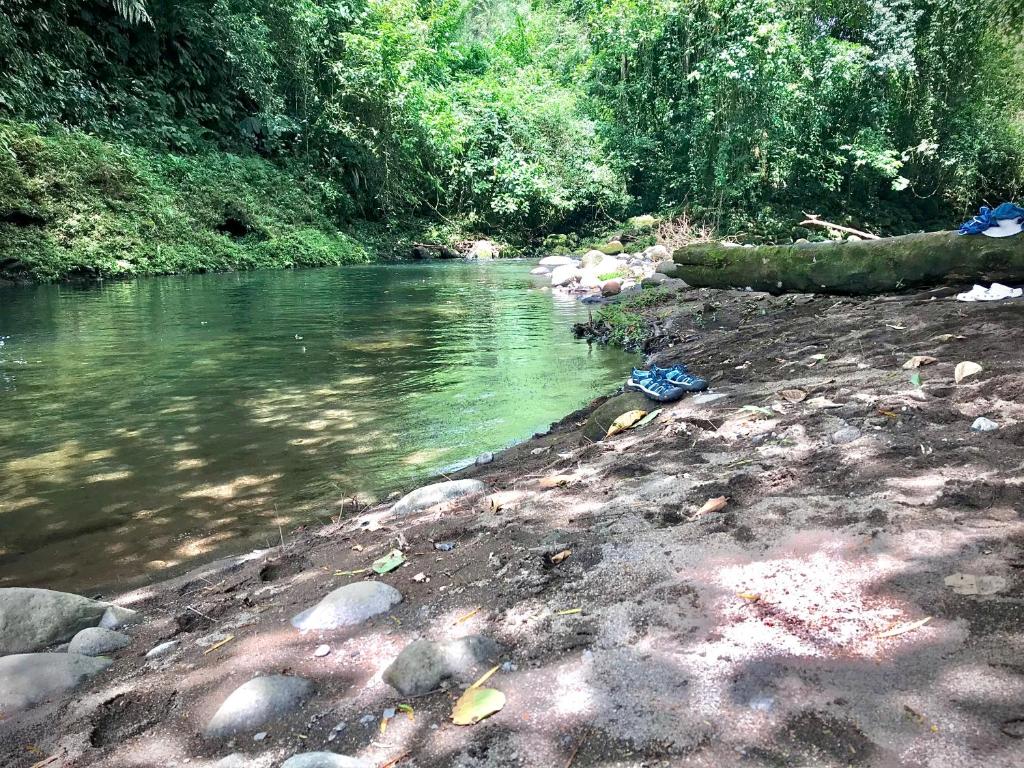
149 425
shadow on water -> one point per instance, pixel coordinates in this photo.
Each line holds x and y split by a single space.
149 424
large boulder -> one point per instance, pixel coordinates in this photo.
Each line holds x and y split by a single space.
598 422
438 493
325 760
592 259
348 605
97 641
32 619
27 679
257 703
423 664
667 268
564 275
613 248
657 252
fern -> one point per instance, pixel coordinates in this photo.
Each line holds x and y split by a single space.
133 11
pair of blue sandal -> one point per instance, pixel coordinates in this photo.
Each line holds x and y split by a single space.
665 385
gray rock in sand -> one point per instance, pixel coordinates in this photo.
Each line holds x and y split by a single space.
27 679
430 495
324 760
981 424
424 664
348 605
162 649
845 435
97 641
258 702
31 619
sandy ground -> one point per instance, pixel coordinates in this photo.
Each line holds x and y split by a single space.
749 636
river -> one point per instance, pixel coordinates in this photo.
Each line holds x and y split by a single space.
147 426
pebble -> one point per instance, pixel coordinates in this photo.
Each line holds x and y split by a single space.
260 736
97 641
845 435
257 702
444 546
321 651
484 458
981 424
162 649
348 605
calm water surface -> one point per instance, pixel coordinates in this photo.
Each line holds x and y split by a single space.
145 426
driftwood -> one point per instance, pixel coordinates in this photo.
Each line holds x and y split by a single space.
853 268
814 221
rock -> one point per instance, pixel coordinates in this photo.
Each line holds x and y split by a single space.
324 760
555 261
667 268
598 422
97 641
483 249
348 605
592 259
658 252
540 271
706 398
654 280
116 617
613 248
321 651
438 493
564 275
484 458
423 664
31 619
588 279
162 649
981 424
845 435
258 702
27 679
611 288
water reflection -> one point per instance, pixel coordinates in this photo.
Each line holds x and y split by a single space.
147 424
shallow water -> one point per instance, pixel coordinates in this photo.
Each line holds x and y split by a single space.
145 426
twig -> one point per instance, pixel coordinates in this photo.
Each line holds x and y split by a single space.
576 749
813 221
208 618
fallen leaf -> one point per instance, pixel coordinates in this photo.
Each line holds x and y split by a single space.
476 704
915 379
649 418
793 395
389 562
942 338
485 677
716 504
555 481
625 421
902 629
468 616
569 612
557 558
751 596
965 370
890 414
407 708
352 573
357 547
918 360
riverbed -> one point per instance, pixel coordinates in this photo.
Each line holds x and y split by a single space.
150 425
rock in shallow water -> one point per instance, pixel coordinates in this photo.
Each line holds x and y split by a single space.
97 641
554 261
27 679
423 664
431 495
257 703
31 619
348 605
324 760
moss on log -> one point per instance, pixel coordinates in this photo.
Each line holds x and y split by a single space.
864 267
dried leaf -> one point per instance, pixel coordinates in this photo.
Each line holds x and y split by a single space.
485 677
625 421
716 504
569 612
752 597
352 573
965 370
476 704
901 629
389 562
918 360
559 557
555 481
793 395
468 616
222 643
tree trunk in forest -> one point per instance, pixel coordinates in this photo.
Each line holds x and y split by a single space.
864 267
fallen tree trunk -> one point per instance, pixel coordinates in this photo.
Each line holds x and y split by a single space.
864 267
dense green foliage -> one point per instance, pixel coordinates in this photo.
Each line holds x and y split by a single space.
520 117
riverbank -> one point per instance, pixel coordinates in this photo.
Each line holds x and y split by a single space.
818 562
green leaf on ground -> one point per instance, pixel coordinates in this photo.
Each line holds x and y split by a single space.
476 704
389 562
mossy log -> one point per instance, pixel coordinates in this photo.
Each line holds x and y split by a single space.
855 268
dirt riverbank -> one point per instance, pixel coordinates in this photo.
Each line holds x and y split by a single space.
783 629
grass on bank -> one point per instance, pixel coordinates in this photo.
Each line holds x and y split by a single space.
72 205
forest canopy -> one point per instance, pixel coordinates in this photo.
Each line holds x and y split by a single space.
532 117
